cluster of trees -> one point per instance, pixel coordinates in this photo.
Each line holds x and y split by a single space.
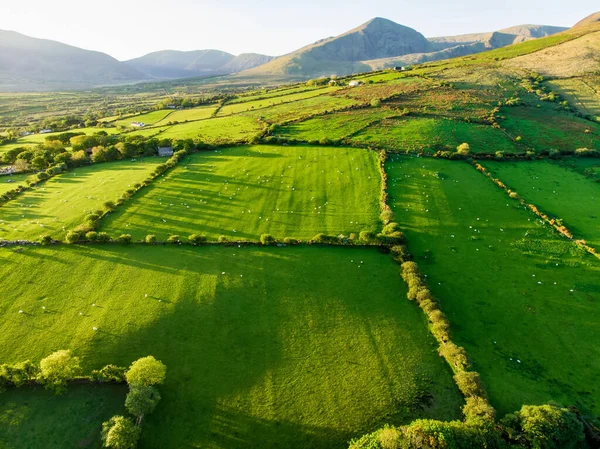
143 378
532 427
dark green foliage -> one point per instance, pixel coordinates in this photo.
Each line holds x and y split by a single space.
120 433
73 237
267 239
110 373
197 239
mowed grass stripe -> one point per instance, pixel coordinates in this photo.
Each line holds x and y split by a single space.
291 347
244 192
61 203
521 299
557 191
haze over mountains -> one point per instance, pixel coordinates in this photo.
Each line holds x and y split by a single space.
28 63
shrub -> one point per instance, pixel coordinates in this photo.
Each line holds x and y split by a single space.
16 375
146 371
72 237
196 239
320 238
120 433
45 240
151 239
92 217
57 369
222 239
124 239
367 237
103 237
455 355
463 149
477 407
267 239
91 236
376 103
387 216
174 239
110 373
290 241
469 383
110 206
390 438
514 195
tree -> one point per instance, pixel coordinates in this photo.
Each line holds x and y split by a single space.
266 239
196 239
120 433
57 368
376 103
463 149
151 239
73 237
141 400
146 371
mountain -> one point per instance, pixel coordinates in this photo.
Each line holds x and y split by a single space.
171 64
589 20
378 38
468 44
27 63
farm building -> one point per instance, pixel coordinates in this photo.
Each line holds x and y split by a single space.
45 131
165 151
138 124
354 83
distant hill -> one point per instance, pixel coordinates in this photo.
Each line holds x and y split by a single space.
381 43
378 38
172 64
592 18
27 63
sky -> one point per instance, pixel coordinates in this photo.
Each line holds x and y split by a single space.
127 29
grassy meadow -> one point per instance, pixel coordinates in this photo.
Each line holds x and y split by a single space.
244 192
36 418
557 191
61 203
272 348
519 297
432 134
9 182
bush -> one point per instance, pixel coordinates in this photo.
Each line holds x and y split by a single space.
463 149
469 383
290 241
196 239
150 239
103 237
146 371
57 369
376 103
124 239
367 237
72 237
222 239
120 433
476 408
45 240
91 236
110 373
387 216
514 195
455 355
16 375
390 438
174 239
110 206
141 400
267 239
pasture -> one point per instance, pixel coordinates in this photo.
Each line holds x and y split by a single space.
518 296
335 126
270 348
581 93
432 134
149 118
546 129
9 182
244 192
36 418
184 115
557 191
61 203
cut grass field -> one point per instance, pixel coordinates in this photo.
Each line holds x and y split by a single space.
557 191
334 126
33 418
546 128
243 192
217 130
521 299
236 108
10 182
62 202
432 134
271 348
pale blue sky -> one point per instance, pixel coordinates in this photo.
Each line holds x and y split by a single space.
127 29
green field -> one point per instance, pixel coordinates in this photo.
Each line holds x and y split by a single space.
9 182
184 115
581 93
149 118
545 129
37 418
586 166
61 203
270 348
519 297
41 138
557 191
298 110
334 126
247 191
432 134
236 108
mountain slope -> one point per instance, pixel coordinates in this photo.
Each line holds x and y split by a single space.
169 64
378 38
27 63
245 61
589 20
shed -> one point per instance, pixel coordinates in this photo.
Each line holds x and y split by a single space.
354 83
165 151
